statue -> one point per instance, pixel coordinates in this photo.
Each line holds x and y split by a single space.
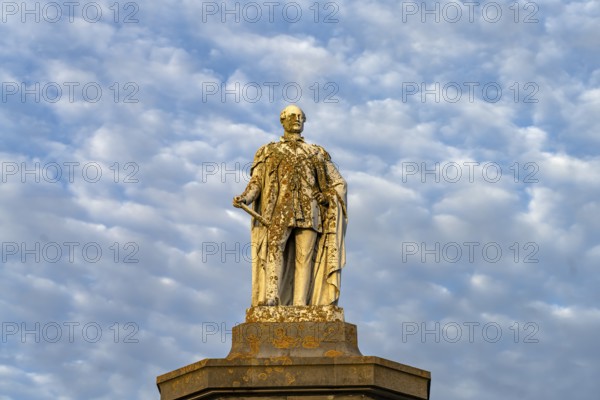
299 220
295 333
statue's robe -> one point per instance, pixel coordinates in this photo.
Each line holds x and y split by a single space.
282 202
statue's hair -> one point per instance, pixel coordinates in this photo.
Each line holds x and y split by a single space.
284 113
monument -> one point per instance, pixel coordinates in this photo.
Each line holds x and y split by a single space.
299 220
295 343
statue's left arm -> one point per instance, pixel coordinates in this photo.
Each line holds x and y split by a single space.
335 186
331 253
338 183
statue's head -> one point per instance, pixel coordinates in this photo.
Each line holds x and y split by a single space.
292 118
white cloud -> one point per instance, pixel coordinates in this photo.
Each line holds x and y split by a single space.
188 155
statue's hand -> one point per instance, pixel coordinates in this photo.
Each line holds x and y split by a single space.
238 201
321 199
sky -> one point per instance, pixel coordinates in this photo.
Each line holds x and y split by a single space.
468 134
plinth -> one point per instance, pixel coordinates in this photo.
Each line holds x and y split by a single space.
295 353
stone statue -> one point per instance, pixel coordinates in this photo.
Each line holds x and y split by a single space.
299 220
295 333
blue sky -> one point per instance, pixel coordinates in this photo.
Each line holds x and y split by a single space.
467 133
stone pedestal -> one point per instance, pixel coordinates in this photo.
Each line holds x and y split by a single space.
285 357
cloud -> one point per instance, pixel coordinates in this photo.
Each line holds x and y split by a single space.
469 215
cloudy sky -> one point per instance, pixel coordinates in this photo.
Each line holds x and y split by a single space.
468 134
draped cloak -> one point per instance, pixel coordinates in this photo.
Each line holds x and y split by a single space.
329 256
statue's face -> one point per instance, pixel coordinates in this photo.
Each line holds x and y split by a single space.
294 120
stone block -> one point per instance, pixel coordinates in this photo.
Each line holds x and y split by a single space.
295 361
293 339
296 378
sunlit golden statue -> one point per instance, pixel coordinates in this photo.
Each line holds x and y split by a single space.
299 220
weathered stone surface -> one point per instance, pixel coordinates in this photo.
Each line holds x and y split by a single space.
295 360
295 314
296 378
299 220
293 339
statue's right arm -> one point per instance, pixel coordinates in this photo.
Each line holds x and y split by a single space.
254 187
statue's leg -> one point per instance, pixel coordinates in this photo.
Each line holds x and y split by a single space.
305 247
275 262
